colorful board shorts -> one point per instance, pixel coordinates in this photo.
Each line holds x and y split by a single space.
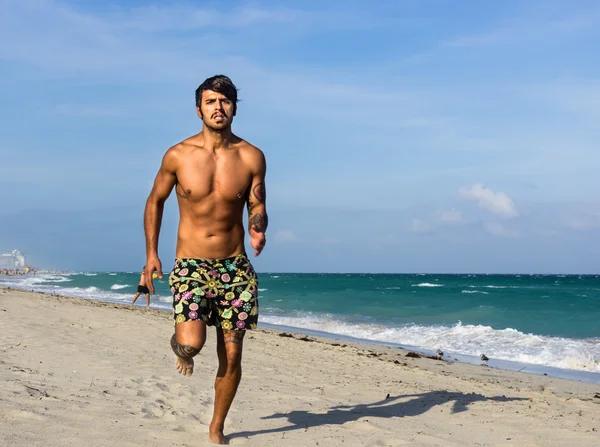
221 292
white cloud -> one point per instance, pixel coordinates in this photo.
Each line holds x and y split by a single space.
577 224
62 39
451 216
285 236
496 202
526 30
583 224
178 17
420 226
497 229
476 40
130 45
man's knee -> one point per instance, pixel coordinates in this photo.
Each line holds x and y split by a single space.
183 351
232 347
233 338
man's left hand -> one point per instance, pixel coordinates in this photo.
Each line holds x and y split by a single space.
257 239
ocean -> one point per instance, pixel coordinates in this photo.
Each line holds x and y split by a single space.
535 323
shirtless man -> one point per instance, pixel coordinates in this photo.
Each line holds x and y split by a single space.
142 288
215 174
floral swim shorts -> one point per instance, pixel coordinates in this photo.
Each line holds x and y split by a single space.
221 292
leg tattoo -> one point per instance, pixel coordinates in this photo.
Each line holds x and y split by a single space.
233 337
184 351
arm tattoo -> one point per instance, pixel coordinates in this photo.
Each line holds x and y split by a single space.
260 221
256 197
259 192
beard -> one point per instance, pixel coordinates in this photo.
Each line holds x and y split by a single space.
220 126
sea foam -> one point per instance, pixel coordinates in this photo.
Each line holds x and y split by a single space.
503 344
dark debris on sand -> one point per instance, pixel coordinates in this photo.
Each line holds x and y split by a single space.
304 338
369 353
418 356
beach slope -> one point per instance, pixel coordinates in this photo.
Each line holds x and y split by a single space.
78 372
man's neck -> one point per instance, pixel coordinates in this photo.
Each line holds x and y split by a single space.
215 140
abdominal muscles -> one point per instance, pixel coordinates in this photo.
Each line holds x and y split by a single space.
210 231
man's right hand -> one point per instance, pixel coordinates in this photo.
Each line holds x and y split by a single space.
153 265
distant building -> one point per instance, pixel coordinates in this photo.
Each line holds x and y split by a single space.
12 260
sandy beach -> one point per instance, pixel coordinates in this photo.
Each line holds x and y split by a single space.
79 372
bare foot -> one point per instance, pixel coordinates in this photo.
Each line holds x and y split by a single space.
185 366
216 436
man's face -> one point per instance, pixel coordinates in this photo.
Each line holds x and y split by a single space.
216 110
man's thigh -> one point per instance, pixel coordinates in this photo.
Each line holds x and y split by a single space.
192 333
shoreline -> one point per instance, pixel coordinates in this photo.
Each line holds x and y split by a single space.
504 365
80 369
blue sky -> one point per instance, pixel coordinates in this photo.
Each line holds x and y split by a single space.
401 136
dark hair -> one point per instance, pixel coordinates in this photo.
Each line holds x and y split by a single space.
220 84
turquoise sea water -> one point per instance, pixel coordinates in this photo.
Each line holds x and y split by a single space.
547 320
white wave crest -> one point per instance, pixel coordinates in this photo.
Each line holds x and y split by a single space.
119 286
32 282
501 344
427 284
475 291
93 293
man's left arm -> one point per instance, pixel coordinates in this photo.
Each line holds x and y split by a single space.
258 220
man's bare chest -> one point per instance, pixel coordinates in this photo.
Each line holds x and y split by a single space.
228 180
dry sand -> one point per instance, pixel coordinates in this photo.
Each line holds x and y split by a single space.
76 372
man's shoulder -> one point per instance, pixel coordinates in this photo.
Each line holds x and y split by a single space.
181 149
185 146
250 151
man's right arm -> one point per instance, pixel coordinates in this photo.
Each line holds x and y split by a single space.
163 185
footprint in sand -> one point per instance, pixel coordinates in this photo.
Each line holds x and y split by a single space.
161 410
151 412
16 368
161 401
166 399
163 387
